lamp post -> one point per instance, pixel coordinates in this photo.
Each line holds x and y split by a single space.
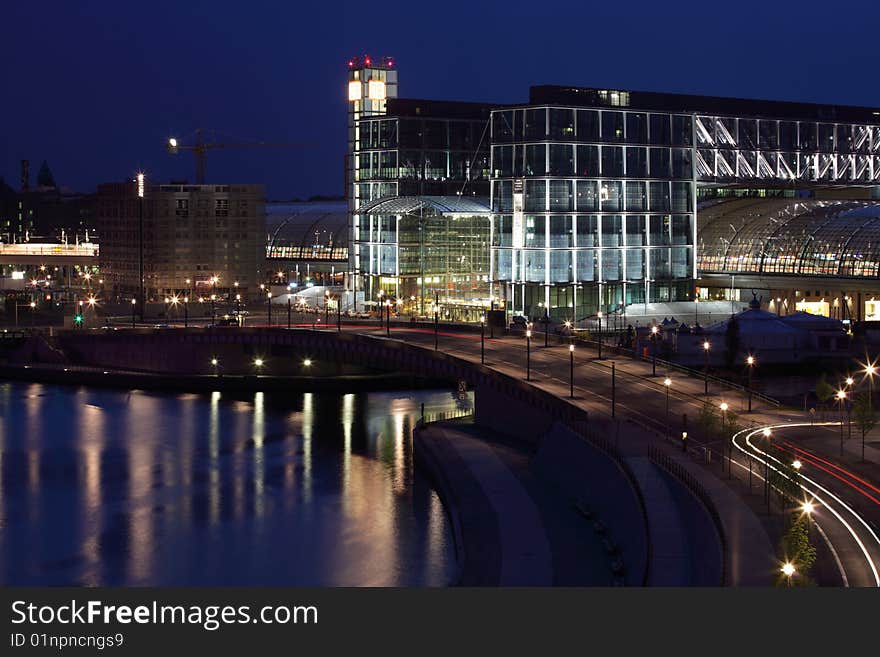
706 346
750 362
269 306
723 406
870 370
599 335
213 309
387 318
571 370
215 363
654 330
546 326
667 382
33 305
141 187
841 399
339 313
528 354
436 320
258 364
185 312
766 432
613 390
133 307
482 339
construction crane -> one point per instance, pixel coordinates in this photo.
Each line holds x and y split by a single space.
201 147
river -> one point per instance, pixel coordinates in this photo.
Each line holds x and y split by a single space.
116 488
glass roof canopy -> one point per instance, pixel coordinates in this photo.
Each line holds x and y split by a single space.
790 237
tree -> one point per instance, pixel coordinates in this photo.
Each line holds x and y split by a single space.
824 390
44 176
797 549
864 416
731 341
708 420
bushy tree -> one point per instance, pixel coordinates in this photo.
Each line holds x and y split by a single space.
824 390
863 414
797 549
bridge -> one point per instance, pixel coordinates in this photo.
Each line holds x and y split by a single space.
33 253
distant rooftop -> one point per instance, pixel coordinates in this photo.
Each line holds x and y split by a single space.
668 102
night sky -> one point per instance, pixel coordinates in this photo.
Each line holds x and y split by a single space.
96 88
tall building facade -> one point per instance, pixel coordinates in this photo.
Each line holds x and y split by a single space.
434 156
595 192
198 239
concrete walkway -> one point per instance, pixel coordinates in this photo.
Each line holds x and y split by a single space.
670 554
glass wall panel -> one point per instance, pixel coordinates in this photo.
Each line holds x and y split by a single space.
535 265
610 196
588 161
682 166
660 164
681 229
660 268
767 134
587 195
561 232
535 227
788 135
503 262
502 161
561 160
612 230
560 196
636 162
587 265
636 196
660 129
636 128
682 131
612 265
636 230
612 161
536 160
635 264
681 196
587 125
502 196
658 196
587 230
535 195
561 123
612 126
503 230
748 133
560 266
535 124
502 126
659 228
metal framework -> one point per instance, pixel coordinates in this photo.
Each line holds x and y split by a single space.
747 150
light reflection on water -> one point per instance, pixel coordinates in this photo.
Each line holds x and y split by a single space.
105 487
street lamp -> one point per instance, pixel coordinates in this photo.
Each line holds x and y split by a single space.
750 361
723 406
654 330
706 346
258 364
599 336
571 370
870 370
307 362
215 363
388 318
528 354
797 465
841 399
482 339
668 383
788 570
269 306
133 306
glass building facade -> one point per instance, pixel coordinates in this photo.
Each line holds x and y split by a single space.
424 251
592 208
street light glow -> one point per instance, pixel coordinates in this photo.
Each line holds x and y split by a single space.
788 569
766 432
808 508
307 362
841 394
796 464
750 360
849 381
706 345
724 407
667 382
571 347
258 362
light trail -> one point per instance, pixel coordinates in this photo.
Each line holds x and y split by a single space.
752 450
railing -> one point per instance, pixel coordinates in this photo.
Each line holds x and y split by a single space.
690 371
441 416
698 490
330 254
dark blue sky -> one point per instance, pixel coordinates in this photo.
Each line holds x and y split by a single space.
96 88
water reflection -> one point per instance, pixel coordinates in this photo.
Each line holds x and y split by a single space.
116 488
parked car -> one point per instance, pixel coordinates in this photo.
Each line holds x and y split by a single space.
227 322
